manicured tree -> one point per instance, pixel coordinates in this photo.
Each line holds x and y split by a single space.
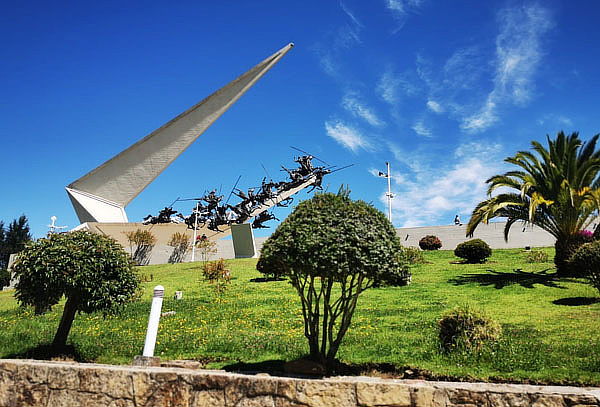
556 188
332 249
93 272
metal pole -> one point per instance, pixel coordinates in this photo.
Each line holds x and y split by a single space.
389 193
195 233
157 299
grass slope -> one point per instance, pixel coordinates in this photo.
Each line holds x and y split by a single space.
550 325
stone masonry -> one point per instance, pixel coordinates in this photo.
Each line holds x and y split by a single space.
52 384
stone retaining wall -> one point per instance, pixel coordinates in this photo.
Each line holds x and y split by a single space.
50 384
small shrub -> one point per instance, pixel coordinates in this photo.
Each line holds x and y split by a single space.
473 251
214 270
586 262
430 242
465 328
536 256
217 273
143 241
180 243
412 255
206 247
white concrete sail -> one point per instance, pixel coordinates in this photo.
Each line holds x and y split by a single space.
102 194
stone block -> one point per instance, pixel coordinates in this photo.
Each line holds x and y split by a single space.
31 395
383 394
462 397
323 394
172 394
213 398
115 383
429 397
33 373
547 400
261 401
63 377
508 400
581 399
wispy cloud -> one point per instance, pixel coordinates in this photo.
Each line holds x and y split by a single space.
435 106
349 137
359 109
401 9
345 36
555 120
422 130
350 14
392 86
518 53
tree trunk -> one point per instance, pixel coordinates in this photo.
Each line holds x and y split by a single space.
564 249
66 321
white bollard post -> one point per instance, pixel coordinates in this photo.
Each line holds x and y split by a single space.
157 299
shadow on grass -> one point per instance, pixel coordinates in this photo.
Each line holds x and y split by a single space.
501 279
49 352
576 301
266 279
388 370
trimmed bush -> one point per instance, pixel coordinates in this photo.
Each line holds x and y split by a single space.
430 242
586 262
473 251
412 255
92 271
536 256
332 249
466 328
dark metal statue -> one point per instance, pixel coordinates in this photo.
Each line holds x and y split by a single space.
215 214
261 218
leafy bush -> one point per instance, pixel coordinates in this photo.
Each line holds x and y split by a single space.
92 271
332 249
412 255
206 247
536 256
465 328
430 242
143 241
586 262
180 243
217 273
473 251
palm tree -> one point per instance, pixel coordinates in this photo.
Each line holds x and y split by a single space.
556 189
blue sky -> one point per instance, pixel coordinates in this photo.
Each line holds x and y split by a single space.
443 90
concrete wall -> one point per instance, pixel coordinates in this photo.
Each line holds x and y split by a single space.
449 235
492 234
52 384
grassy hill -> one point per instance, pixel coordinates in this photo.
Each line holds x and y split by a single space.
550 325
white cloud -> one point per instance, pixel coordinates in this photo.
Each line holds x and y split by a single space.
518 53
400 10
555 120
477 149
435 106
391 85
350 14
433 192
422 130
351 103
347 136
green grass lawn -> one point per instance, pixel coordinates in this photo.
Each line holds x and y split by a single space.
550 325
